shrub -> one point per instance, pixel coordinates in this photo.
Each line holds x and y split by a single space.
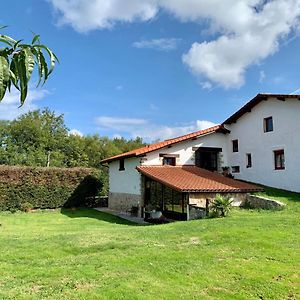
220 206
27 187
26 206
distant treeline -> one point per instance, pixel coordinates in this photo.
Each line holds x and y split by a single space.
41 139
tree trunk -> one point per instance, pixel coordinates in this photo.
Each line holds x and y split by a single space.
48 159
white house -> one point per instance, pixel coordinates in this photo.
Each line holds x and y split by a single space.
267 133
260 143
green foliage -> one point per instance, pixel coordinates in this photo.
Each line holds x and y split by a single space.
17 63
41 138
23 188
26 206
220 206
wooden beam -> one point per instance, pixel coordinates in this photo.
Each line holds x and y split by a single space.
168 155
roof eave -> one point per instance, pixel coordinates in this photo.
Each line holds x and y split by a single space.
253 102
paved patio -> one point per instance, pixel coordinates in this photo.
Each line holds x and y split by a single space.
125 216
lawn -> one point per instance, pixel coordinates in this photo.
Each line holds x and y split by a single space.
86 254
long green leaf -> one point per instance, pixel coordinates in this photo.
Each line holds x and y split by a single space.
39 64
4 76
8 38
17 44
14 72
44 65
6 42
35 39
29 62
53 57
21 66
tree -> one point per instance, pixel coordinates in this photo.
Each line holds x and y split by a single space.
38 137
17 62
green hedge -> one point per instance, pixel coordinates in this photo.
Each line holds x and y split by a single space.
48 187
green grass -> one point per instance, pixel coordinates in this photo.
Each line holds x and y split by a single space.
56 254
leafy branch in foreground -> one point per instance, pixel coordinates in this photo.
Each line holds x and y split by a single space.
17 62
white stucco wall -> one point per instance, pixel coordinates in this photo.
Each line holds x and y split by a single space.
127 181
249 130
186 154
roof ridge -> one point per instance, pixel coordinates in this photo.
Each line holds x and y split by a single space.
162 144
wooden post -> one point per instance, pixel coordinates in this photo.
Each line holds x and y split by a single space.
207 207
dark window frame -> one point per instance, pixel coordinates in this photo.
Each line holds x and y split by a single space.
169 161
235 145
235 169
249 160
268 127
279 154
122 164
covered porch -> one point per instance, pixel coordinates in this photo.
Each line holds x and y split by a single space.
176 190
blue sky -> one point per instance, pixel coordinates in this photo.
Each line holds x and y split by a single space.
156 68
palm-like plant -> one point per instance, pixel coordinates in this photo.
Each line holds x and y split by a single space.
221 205
17 62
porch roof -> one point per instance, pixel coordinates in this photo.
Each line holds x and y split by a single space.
194 179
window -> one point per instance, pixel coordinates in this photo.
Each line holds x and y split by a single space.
121 164
169 161
235 169
235 146
279 159
249 160
268 124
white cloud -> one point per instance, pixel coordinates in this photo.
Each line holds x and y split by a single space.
247 31
122 124
262 76
148 131
85 15
206 85
165 44
9 106
75 132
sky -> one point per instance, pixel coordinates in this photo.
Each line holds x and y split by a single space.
156 68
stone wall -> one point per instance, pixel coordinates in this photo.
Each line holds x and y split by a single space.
124 202
261 202
195 213
199 199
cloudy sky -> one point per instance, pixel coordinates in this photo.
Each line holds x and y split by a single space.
157 68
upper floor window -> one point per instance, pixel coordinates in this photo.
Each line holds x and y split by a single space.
121 164
235 146
279 159
249 160
169 161
268 124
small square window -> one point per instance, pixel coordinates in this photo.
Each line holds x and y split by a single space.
249 160
121 164
235 146
169 161
279 159
235 169
268 124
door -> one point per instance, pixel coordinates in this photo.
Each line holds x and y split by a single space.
207 158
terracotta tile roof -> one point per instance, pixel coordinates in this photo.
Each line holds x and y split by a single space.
253 102
194 179
153 147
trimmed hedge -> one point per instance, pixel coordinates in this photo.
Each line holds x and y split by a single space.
48 187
